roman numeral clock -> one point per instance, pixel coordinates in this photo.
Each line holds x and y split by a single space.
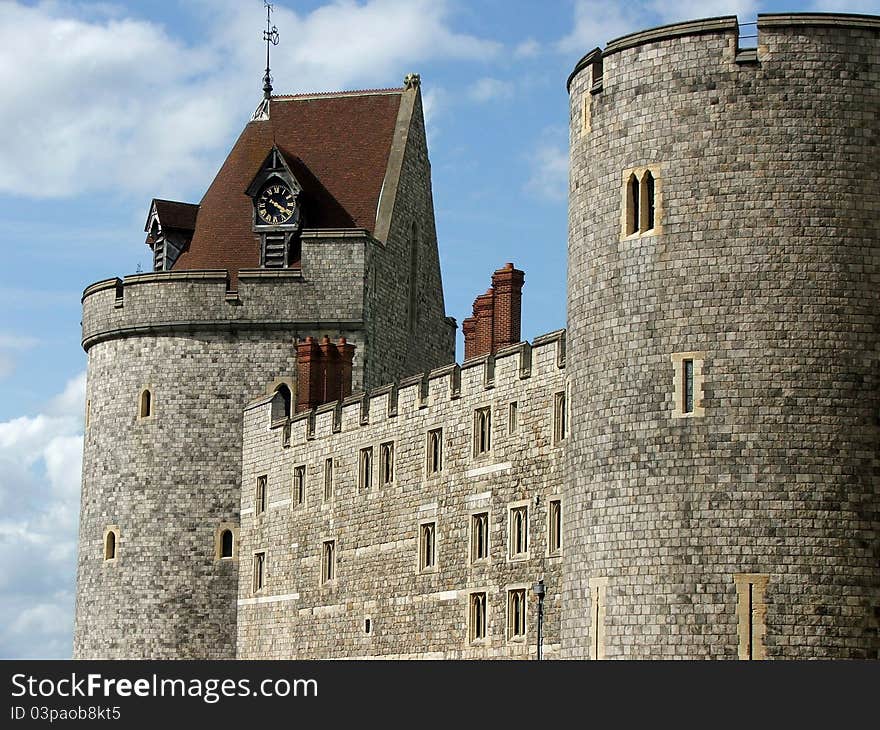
277 212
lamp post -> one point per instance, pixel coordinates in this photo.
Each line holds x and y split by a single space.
539 591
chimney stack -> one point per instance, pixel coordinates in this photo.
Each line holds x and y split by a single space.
496 320
323 372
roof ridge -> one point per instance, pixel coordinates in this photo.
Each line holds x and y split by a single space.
325 94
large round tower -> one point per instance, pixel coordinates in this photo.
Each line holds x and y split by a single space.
723 320
319 223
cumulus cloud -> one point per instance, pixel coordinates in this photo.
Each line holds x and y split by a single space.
528 48
487 89
549 166
40 467
8 344
93 105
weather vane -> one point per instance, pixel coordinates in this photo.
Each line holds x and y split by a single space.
270 35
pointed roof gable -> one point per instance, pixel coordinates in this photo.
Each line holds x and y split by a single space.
336 145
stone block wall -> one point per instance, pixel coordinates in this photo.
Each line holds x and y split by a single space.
412 613
764 266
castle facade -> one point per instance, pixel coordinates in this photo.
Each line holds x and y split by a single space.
276 467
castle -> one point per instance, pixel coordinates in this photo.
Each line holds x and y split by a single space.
282 459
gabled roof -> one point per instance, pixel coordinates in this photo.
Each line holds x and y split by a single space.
337 146
172 215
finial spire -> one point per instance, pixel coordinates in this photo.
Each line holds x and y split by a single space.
270 35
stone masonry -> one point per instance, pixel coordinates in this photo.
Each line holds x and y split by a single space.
413 613
763 267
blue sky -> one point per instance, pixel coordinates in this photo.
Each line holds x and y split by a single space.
105 105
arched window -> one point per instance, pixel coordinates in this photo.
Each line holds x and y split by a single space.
286 397
226 544
110 545
145 407
632 205
646 214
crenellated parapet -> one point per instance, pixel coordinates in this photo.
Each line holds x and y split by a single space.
326 297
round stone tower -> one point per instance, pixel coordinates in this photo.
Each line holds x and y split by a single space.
723 320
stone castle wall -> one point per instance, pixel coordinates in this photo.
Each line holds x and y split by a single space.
412 613
764 265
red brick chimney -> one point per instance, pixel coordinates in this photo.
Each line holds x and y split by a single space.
309 374
508 284
323 372
497 314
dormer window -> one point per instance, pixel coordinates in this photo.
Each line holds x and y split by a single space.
169 229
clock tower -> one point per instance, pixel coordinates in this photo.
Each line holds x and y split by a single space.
277 214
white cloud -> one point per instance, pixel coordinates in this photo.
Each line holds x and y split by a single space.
487 88
549 165
597 23
109 103
40 467
528 48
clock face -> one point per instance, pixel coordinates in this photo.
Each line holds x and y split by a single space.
276 205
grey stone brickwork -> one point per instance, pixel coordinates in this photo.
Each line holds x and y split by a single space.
766 260
412 614
205 352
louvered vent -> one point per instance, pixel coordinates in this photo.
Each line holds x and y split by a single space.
274 257
159 256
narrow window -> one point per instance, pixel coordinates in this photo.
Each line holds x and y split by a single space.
632 205
110 545
386 465
477 617
516 613
328 480
647 222
519 531
88 418
482 431
435 451
226 544
365 469
145 409
687 382
285 436
259 571
554 539
260 497
559 417
598 586
328 561
479 536
427 546
368 626
512 417
284 392
751 610
299 484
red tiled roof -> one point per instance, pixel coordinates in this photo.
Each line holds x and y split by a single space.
337 146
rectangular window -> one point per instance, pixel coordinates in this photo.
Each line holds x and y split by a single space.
365 469
299 485
328 561
260 499
259 571
427 546
559 417
519 531
512 417
386 463
435 451
285 436
477 617
687 386
479 536
328 480
482 431
516 613
751 611
554 538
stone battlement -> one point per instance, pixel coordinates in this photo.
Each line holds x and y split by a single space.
169 301
769 28
517 362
